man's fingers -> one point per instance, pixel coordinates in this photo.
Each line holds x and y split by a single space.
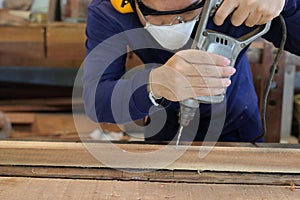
209 91
266 17
202 57
197 82
239 16
253 20
249 12
224 11
211 71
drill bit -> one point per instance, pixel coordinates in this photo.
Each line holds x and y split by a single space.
179 135
187 112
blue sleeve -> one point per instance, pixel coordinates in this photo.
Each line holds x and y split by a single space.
291 14
108 97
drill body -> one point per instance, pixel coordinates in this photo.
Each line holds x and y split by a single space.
218 43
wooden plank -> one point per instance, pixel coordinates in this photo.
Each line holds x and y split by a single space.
68 170
153 176
21 118
151 157
26 49
52 125
69 51
56 34
65 125
33 108
40 104
21 41
40 62
30 47
74 43
34 188
23 34
42 101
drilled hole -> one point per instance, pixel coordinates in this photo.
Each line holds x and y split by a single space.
272 103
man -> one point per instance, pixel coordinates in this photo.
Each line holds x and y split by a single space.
174 72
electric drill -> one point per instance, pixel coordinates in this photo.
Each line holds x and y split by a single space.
218 43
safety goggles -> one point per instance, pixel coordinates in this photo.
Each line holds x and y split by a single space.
149 11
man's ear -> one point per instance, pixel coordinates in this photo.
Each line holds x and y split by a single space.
123 6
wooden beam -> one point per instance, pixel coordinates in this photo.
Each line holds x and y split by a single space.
37 188
150 157
73 45
178 176
68 170
31 34
21 118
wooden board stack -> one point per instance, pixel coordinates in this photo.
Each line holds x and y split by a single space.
67 170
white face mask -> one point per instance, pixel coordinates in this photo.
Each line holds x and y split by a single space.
172 36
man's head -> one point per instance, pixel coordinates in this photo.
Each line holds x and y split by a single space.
169 22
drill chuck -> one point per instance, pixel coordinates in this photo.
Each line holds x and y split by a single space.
187 112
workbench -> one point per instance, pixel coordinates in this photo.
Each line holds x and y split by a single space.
97 170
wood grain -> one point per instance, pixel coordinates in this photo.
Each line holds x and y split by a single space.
36 188
68 171
71 38
182 176
152 157
30 45
22 34
21 118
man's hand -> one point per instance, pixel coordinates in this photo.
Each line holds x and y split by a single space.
249 12
191 73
